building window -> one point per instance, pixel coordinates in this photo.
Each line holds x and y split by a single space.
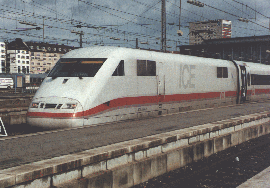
19 61
27 57
3 51
32 63
38 63
23 62
18 51
44 63
27 62
32 53
19 56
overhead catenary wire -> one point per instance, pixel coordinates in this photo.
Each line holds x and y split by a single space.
68 20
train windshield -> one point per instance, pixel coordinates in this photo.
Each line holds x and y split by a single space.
77 67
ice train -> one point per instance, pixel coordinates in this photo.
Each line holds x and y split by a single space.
95 85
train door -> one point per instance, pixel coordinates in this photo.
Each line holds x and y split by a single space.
243 83
160 80
249 87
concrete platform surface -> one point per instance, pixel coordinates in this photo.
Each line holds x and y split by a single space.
261 180
25 149
132 162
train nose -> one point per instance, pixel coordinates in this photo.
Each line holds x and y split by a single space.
55 112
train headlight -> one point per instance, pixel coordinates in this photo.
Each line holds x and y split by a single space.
34 105
70 106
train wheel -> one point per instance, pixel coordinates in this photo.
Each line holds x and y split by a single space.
8 87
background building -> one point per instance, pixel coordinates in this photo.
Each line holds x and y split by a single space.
212 29
2 57
250 49
45 55
31 57
18 59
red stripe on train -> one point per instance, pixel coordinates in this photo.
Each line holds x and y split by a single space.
142 100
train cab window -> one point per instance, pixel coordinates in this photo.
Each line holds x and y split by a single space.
222 72
119 71
146 68
77 67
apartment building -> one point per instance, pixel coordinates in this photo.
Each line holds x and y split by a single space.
212 29
18 59
32 57
43 56
2 57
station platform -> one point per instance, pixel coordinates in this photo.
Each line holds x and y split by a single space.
261 180
129 152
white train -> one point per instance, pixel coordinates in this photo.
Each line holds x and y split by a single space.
95 85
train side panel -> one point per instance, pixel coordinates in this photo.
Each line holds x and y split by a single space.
177 86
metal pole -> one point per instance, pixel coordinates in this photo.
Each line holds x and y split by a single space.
15 83
163 26
180 15
43 29
81 34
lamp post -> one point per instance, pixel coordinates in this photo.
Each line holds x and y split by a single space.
179 32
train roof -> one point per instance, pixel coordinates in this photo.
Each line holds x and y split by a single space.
111 51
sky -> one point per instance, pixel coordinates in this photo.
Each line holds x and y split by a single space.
120 22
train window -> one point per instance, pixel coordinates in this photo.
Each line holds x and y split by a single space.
248 79
119 71
219 72
77 67
225 72
146 68
260 79
222 72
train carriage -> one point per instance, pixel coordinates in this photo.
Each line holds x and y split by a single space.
104 84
